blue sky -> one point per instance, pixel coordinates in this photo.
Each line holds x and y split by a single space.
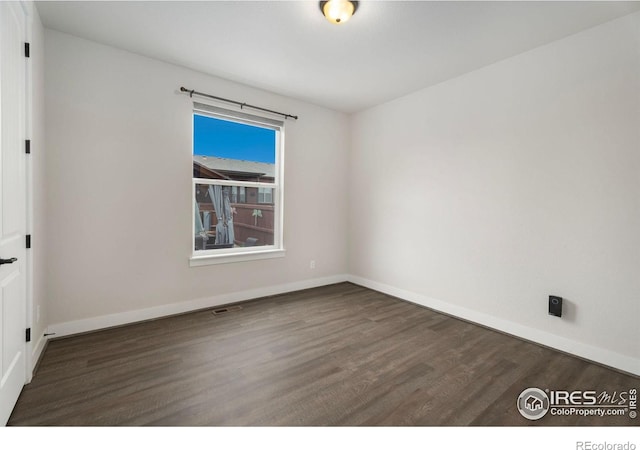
215 137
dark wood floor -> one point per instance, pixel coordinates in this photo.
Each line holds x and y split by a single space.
336 355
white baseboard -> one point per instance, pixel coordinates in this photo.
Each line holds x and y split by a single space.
595 354
112 320
36 351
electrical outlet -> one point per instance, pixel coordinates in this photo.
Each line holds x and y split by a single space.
312 264
555 306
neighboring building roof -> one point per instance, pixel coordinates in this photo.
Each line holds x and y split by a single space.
236 166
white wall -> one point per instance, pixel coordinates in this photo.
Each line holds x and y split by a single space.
484 194
119 173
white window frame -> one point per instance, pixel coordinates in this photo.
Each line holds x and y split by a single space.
238 254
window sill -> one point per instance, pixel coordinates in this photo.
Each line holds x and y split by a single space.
206 260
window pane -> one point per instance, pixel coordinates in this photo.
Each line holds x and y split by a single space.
265 195
228 150
222 223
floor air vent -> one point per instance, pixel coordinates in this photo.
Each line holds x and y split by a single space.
226 309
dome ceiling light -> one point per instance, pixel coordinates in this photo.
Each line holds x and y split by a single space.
338 11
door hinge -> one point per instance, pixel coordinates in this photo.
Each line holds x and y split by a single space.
26 49
28 335
28 241
27 146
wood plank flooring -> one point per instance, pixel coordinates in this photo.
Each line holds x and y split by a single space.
336 355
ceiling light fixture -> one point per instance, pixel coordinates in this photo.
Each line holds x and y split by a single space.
338 11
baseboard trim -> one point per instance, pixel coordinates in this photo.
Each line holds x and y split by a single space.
128 317
595 354
38 352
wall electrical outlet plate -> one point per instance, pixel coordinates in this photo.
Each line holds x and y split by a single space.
555 306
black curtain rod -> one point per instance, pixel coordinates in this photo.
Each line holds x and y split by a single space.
241 104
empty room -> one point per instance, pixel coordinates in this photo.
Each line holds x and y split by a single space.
302 213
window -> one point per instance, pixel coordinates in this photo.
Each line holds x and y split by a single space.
237 186
265 195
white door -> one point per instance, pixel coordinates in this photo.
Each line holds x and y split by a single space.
12 206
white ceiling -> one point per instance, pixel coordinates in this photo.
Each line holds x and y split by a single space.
388 48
